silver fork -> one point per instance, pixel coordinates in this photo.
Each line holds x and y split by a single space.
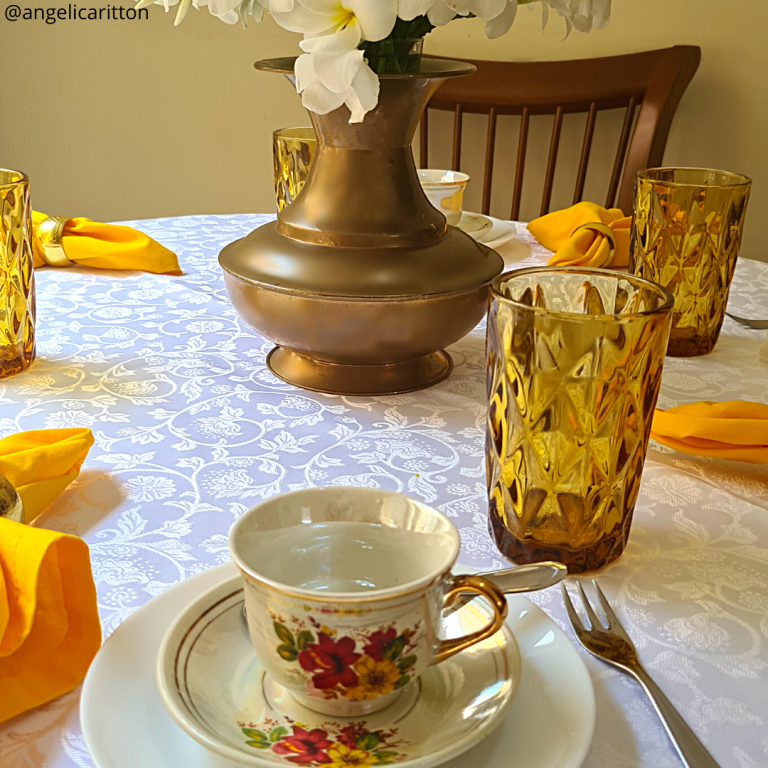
611 643
755 325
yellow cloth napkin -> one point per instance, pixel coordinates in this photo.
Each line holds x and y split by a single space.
581 236
106 246
49 622
42 463
735 430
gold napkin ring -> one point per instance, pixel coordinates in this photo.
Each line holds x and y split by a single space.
49 233
10 504
602 229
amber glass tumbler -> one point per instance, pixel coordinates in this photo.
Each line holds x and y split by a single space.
686 233
293 150
17 277
574 360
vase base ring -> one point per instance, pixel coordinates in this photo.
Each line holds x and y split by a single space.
342 379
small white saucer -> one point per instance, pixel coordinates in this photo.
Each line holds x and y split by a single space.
474 224
125 725
501 232
215 688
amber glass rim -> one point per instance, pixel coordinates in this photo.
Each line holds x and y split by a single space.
294 133
666 306
737 179
23 178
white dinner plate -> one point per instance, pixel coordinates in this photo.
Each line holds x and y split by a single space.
501 232
125 725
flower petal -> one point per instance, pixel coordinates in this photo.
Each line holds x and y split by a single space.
376 17
503 22
301 19
304 70
601 12
229 18
336 71
484 9
440 14
221 7
410 9
364 95
341 39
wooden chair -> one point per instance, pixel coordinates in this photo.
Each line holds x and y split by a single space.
653 81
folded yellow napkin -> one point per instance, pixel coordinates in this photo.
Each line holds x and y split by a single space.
42 463
61 242
584 235
735 430
49 620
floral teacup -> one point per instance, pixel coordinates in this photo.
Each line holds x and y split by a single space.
344 589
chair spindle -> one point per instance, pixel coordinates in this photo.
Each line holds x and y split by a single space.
490 147
586 147
457 121
549 179
626 130
522 146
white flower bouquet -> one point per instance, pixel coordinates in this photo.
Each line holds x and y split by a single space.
348 43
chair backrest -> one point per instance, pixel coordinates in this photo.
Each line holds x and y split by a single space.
653 81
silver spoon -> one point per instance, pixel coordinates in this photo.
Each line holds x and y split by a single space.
523 578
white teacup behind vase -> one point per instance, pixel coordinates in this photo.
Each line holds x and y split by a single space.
445 190
344 590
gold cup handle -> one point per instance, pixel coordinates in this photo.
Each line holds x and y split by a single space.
492 594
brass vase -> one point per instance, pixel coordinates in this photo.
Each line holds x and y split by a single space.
360 282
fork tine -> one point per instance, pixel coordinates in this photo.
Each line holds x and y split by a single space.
611 618
571 611
594 622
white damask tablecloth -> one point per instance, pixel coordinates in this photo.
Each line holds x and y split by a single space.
191 429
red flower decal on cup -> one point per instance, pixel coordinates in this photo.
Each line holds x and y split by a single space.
337 668
331 661
378 642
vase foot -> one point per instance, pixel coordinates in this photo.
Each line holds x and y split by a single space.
340 379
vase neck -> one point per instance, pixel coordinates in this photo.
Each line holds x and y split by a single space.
390 125
363 190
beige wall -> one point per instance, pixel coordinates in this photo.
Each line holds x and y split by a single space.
119 120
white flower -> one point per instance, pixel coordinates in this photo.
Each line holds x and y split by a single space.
333 71
333 25
582 15
328 80
443 11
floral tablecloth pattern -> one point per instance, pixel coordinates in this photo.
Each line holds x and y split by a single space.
191 429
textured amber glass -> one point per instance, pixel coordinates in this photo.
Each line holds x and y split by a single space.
17 277
293 150
574 367
686 234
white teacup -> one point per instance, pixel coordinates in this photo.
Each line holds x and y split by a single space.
344 589
445 190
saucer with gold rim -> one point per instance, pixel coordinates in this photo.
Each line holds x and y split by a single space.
549 723
215 688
